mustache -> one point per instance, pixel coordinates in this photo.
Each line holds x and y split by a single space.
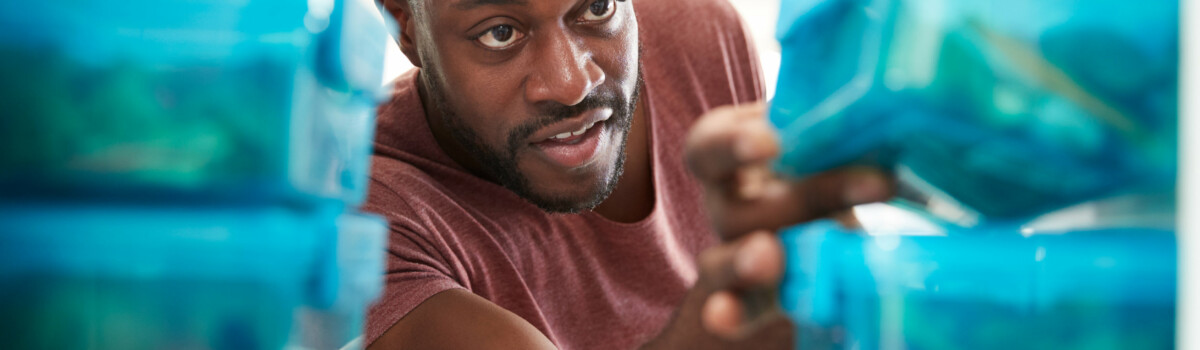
553 112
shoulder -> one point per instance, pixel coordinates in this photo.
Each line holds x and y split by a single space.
698 50
692 27
686 13
403 193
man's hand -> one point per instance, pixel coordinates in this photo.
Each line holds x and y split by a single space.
729 151
711 315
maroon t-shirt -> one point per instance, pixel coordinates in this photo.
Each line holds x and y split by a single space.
584 281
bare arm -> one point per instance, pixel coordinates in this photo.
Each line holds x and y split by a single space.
458 319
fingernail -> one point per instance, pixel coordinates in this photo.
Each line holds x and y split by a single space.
865 188
721 314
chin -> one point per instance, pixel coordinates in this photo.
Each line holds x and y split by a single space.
571 196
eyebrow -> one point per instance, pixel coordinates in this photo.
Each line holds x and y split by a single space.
471 4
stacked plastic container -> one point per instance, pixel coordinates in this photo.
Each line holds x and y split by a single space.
990 102
1003 121
183 174
981 288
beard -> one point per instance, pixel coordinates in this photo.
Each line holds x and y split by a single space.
501 164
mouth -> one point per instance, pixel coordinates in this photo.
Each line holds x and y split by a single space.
574 143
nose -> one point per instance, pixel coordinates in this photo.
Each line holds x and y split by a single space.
563 71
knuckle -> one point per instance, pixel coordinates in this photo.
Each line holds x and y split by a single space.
711 261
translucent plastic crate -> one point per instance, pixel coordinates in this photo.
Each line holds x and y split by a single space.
206 99
84 276
1011 108
359 273
983 288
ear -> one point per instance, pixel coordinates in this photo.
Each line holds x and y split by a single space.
400 10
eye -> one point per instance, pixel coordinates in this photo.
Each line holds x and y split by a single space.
600 10
499 37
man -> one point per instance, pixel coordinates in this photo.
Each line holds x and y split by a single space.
533 171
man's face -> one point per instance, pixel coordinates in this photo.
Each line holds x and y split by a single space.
539 94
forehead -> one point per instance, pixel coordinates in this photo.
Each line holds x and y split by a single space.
466 5
455 7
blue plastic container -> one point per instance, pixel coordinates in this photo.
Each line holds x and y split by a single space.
359 274
982 288
1012 108
150 277
199 99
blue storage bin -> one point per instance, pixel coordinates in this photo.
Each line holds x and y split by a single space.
75 276
987 287
359 273
1013 108
201 99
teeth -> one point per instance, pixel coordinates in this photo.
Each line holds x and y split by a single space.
573 133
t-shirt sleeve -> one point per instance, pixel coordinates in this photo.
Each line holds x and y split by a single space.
418 267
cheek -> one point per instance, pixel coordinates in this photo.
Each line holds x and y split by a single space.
482 101
625 56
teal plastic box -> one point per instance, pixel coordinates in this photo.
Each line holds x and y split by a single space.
83 276
982 288
201 99
362 241
1011 108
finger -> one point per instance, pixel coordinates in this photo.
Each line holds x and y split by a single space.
753 261
722 315
733 272
783 203
728 138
